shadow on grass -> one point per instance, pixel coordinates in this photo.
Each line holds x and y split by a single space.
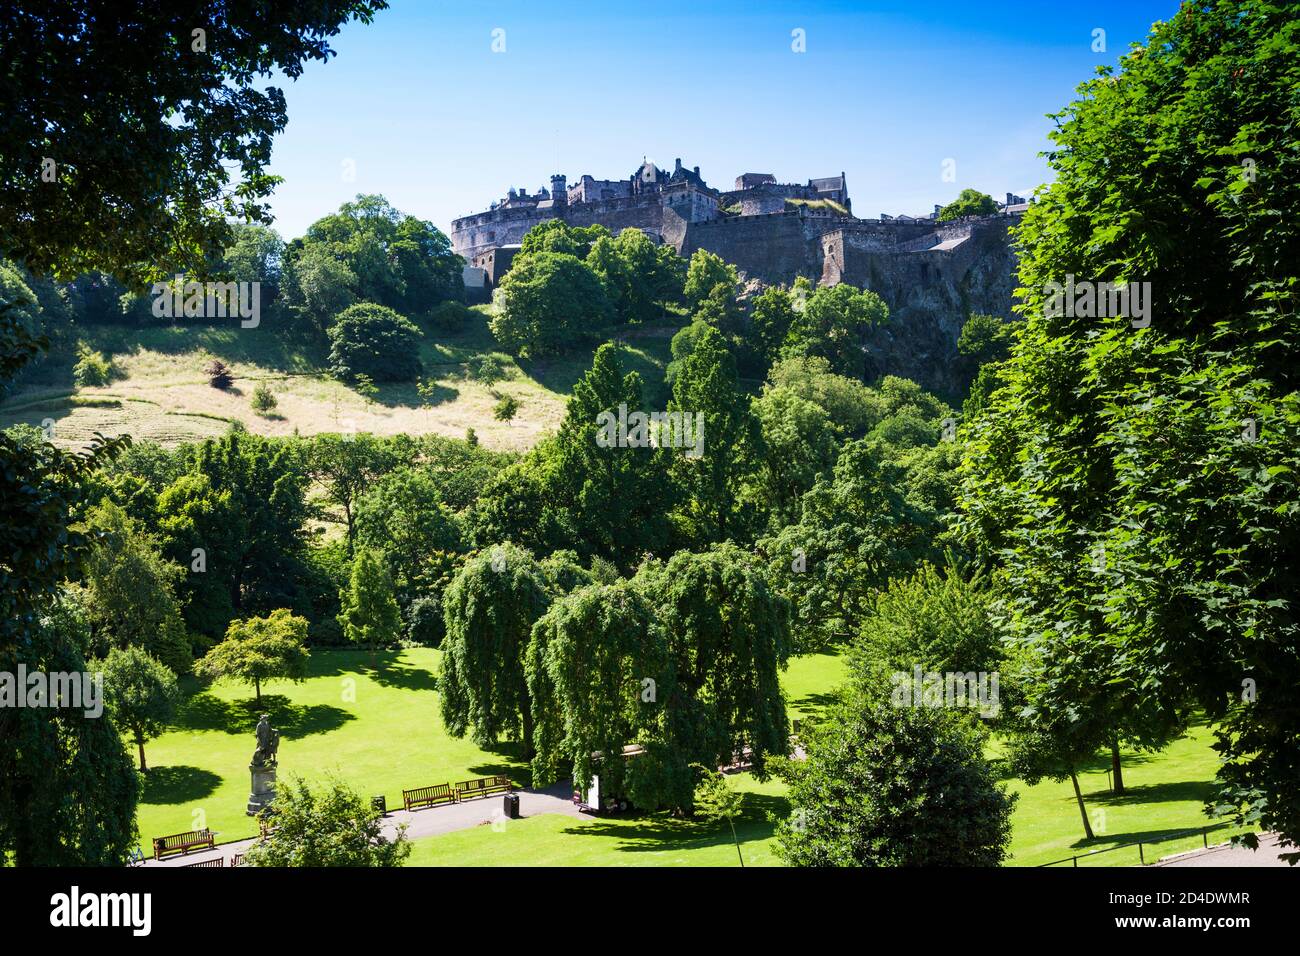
1154 837
512 764
1198 791
660 832
179 784
385 668
205 711
811 705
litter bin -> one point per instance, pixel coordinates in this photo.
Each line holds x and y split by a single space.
379 803
511 808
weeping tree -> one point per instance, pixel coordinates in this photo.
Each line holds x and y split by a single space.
597 666
489 610
682 662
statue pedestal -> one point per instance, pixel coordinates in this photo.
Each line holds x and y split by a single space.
263 792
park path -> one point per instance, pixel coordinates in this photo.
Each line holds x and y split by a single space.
431 821
1226 854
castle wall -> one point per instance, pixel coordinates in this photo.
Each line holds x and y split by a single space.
930 292
775 248
474 235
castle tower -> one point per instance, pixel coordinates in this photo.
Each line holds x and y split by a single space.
559 191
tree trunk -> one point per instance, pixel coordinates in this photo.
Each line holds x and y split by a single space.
736 839
139 742
257 691
1078 795
1116 768
528 730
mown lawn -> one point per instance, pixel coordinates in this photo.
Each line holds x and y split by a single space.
376 725
645 840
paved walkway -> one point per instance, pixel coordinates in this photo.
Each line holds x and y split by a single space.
430 821
1225 854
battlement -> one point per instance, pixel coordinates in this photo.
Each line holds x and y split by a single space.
652 199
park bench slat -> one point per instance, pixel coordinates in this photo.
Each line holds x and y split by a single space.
428 796
483 786
182 842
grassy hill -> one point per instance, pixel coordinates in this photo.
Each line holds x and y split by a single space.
160 392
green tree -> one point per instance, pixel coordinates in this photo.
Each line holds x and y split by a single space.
489 611
587 667
131 590
857 530
327 824
259 649
318 285
373 340
235 520
938 619
395 260
141 694
556 235
618 497
834 325
894 786
1137 470
681 662
346 467
971 202
173 123
705 274
771 315
506 408
263 401
256 254
716 802
370 616
727 446
549 302
403 517
799 448
68 790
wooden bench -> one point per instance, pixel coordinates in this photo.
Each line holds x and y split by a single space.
483 786
182 842
265 826
428 796
237 860
216 861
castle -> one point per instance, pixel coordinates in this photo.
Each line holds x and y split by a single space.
932 274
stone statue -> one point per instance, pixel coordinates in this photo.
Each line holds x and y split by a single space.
268 743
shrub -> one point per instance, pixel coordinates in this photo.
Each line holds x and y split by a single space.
450 317
373 340
263 400
506 408
424 623
327 824
92 367
219 374
894 786
487 370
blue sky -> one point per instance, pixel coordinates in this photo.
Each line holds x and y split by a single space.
418 107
